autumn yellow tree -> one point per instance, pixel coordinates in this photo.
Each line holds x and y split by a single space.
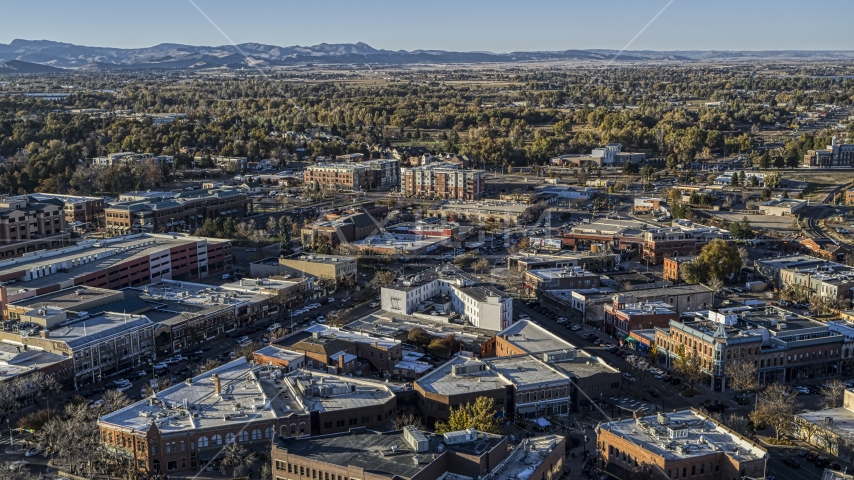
479 415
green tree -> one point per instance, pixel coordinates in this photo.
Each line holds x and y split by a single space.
630 168
479 415
765 160
741 229
286 247
735 180
419 336
779 162
772 180
721 258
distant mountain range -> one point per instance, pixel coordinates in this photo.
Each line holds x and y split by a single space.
40 56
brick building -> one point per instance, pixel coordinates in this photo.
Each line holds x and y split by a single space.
667 242
678 445
673 267
334 350
621 317
85 213
96 345
185 212
442 181
590 377
410 454
835 155
285 360
367 175
538 281
784 347
185 426
134 260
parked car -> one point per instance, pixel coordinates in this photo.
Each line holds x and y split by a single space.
34 452
791 462
373 304
161 366
274 326
821 462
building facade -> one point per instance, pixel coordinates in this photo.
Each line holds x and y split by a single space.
364 176
185 212
679 445
836 155
442 182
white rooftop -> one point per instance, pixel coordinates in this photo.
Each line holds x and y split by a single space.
533 338
683 434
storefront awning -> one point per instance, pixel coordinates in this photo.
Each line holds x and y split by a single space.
542 422
526 409
631 339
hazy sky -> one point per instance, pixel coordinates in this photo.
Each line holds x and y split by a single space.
461 25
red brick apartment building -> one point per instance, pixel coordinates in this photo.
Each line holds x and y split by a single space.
660 243
673 267
622 317
679 445
442 182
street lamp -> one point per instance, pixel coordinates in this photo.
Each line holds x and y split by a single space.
11 438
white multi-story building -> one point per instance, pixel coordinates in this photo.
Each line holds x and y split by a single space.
446 289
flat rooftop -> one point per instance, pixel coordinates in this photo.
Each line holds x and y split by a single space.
328 332
394 325
843 420
514 208
526 370
682 435
67 298
607 226
647 308
564 272
533 338
318 258
240 384
443 382
372 451
304 387
95 329
279 353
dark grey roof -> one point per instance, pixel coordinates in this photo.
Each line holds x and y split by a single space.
128 305
364 449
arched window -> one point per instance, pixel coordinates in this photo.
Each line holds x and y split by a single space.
268 433
203 442
256 434
243 436
229 438
216 439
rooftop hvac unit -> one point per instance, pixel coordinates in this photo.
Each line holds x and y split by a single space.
468 368
460 436
560 355
416 439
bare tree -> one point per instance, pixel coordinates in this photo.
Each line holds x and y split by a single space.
833 392
688 364
715 284
480 265
776 407
744 255
742 376
408 419
236 457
